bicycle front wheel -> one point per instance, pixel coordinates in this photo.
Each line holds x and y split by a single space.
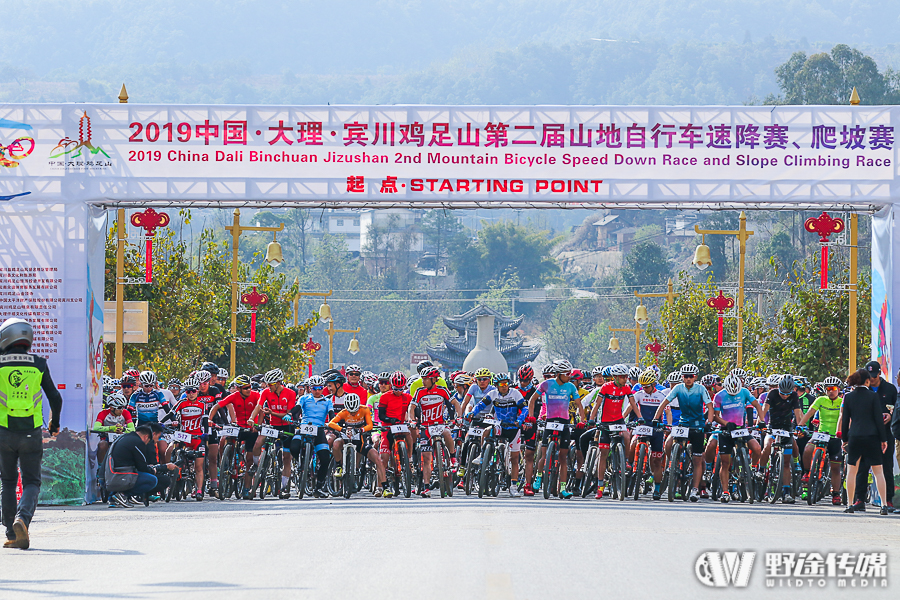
349 478
549 469
618 472
406 471
674 472
639 471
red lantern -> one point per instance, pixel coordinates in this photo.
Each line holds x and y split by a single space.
655 348
149 220
720 303
254 299
824 225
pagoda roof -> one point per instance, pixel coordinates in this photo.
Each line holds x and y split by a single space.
466 321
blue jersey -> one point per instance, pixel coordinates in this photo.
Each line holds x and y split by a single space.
315 411
510 408
478 394
149 407
691 402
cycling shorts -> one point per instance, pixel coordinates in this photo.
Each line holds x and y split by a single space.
697 440
529 438
320 442
514 437
212 438
725 442
285 443
195 444
657 440
248 437
605 435
565 436
834 450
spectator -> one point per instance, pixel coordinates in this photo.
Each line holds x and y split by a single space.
863 436
127 471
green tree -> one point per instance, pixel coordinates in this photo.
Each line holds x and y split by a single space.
442 231
829 79
646 264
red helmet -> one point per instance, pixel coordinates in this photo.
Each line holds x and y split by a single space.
398 380
133 373
525 373
577 375
432 372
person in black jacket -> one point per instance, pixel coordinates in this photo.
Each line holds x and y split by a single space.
863 434
887 396
130 452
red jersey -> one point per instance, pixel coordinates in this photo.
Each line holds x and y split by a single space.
359 391
282 403
431 404
612 398
242 406
107 419
395 405
191 415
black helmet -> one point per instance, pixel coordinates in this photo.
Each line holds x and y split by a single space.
257 378
15 331
210 367
422 364
334 376
786 385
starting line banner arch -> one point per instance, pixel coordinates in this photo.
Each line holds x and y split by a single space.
63 165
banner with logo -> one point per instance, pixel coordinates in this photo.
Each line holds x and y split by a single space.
43 278
835 156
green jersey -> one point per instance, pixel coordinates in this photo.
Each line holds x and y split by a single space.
829 411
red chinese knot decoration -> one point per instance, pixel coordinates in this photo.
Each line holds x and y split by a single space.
253 299
824 225
312 347
720 303
655 348
149 220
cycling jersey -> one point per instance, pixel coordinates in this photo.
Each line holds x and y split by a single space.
191 415
372 403
362 418
359 391
416 385
573 405
612 399
477 394
209 398
648 403
338 401
733 409
781 410
829 410
282 403
242 406
314 411
107 421
150 407
691 401
431 404
395 405
510 408
557 397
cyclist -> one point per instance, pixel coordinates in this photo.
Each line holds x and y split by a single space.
149 406
610 408
430 400
191 416
354 385
692 400
209 394
634 375
535 410
558 393
783 409
392 408
316 409
114 419
828 407
478 390
240 405
528 389
415 385
648 399
730 407
276 402
356 416
510 408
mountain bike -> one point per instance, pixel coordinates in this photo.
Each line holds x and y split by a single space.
495 461
185 477
232 468
267 478
472 449
616 469
681 465
640 471
820 468
440 459
401 472
781 440
551 458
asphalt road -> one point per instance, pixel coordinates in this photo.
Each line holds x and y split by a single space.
505 548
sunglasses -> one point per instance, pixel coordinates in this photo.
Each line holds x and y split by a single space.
317 387
482 379
128 385
689 376
191 391
832 388
244 387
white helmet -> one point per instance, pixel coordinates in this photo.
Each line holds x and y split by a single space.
116 400
147 378
619 370
316 381
274 376
223 374
562 366
689 369
732 384
202 376
772 380
351 402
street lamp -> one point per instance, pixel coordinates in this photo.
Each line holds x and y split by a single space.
354 346
703 253
315 294
637 331
613 344
325 312
274 257
670 296
640 314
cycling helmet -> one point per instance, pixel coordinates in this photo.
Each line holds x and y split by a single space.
108 389
547 370
786 385
174 382
674 377
432 372
370 378
332 377
351 402
733 384
832 380
222 374
316 381
242 380
257 378
116 400
211 367
647 377
127 381
562 367
772 380
819 389
398 380
133 373
598 370
384 376
498 377
106 379
148 378
634 372
274 376
422 364
525 373
483 372
577 375
758 382
462 379
689 369
355 369
616 370
606 371
191 384
708 380
203 376
738 373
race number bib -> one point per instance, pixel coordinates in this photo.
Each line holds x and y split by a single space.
400 428
180 436
820 436
681 432
114 436
740 433
308 430
435 429
167 438
475 431
269 432
641 430
618 427
230 431
780 433
554 426
491 422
